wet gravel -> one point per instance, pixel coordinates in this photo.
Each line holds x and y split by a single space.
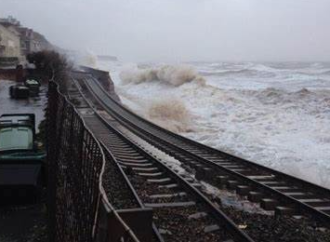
116 188
266 228
174 221
145 189
34 105
174 225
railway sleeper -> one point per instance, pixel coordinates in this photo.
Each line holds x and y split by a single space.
113 146
120 148
221 181
179 194
125 152
232 184
285 211
161 180
189 179
143 169
133 160
167 205
325 209
131 157
135 164
318 204
197 185
197 215
254 196
169 186
273 182
211 228
297 195
261 177
285 188
243 190
268 203
151 174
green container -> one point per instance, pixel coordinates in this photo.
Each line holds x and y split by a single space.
22 165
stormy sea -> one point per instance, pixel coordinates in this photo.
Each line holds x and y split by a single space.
275 114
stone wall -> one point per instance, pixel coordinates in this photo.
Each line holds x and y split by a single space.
104 78
14 74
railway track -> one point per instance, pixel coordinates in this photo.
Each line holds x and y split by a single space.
180 211
274 190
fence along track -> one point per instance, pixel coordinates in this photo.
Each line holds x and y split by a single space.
171 196
275 190
78 207
139 211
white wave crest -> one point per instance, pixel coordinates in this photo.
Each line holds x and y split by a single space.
174 75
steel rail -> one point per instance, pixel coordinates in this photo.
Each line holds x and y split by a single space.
102 199
161 136
217 214
106 152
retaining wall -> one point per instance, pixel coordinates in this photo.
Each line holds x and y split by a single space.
104 78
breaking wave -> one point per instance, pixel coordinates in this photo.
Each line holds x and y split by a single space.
174 75
326 72
276 114
241 72
171 114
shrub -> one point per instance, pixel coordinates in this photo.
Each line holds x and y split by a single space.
51 65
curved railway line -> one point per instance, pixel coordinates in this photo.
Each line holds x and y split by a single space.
181 211
274 190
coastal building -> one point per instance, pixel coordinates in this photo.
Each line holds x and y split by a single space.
10 47
31 41
17 41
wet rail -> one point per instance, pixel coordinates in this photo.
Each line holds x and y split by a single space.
181 211
274 190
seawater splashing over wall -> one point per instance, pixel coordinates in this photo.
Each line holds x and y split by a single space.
274 114
174 75
171 114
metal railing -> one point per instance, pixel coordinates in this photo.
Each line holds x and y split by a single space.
77 204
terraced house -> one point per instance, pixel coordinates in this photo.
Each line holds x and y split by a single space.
10 47
17 41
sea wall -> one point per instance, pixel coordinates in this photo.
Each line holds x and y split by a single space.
104 78
13 74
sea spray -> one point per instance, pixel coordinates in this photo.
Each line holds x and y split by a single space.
173 75
277 116
171 114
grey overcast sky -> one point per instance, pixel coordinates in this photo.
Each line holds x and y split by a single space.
182 30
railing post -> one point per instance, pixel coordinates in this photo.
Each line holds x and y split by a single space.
78 208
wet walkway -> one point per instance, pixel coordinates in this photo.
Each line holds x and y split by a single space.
34 105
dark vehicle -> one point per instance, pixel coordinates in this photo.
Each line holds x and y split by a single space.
22 167
34 87
19 91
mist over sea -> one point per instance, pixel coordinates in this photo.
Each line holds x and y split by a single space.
275 114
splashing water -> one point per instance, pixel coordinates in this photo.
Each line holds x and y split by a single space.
171 114
174 75
275 114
